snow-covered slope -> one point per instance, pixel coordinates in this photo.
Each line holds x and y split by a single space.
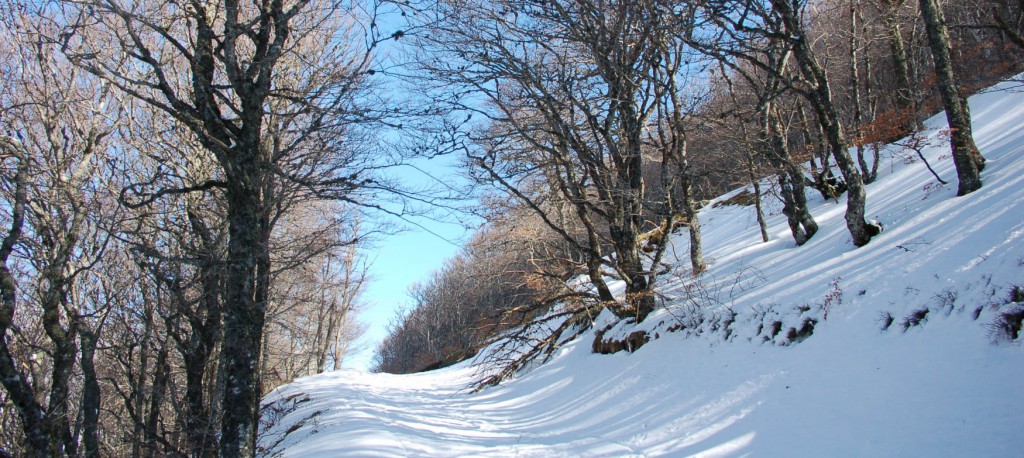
939 388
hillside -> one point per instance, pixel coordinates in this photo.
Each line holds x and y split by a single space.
939 381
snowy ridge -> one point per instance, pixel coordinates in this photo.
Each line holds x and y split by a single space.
942 268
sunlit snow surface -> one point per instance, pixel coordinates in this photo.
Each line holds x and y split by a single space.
941 389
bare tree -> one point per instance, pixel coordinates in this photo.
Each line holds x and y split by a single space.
58 119
315 294
1011 23
905 99
676 105
499 280
968 160
569 91
738 25
762 65
819 93
221 69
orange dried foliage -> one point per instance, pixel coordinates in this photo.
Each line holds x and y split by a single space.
887 127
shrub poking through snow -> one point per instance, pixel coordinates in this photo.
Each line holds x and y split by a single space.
1009 320
1016 294
776 328
916 318
885 320
946 300
834 296
794 335
1008 323
271 415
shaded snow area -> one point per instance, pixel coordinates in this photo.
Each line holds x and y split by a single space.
777 351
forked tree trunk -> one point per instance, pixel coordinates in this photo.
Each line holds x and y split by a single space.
820 96
868 172
19 389
791 178
968 160
676 149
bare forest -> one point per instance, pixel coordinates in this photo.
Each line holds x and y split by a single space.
593 128
191 190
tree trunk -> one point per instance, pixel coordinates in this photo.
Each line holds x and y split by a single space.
64 353
872 99
19 389
1014 36
196 353
758 208
697 264
136 402
905 99
639 302
820 96
160 381
855 84
791 178
90 395
638 288
245 311
968 160
677 149
202 440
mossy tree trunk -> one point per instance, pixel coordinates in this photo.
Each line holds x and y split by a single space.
968 160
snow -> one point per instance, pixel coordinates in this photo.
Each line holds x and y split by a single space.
944 388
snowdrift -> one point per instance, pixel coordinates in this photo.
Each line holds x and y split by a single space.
892 349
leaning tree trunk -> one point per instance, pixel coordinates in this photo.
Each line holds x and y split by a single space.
860 230
968 160
689 205
820 96
775 147
19 388
758 207
1011 33
791 178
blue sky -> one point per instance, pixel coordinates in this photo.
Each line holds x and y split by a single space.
409 256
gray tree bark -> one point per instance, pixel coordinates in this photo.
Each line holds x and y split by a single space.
230 56
820 95
790 177
968 160
30 410
91 395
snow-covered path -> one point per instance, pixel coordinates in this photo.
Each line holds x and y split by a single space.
939 389
923 396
